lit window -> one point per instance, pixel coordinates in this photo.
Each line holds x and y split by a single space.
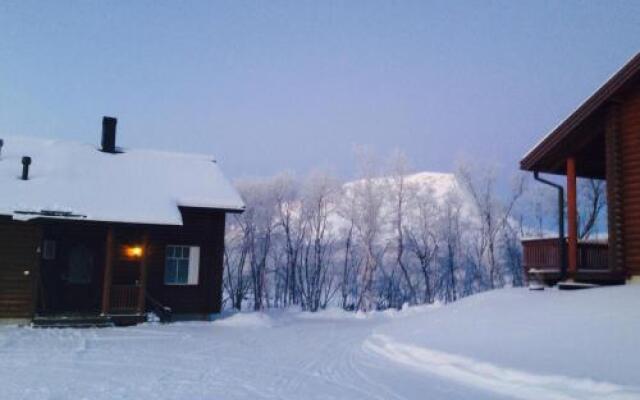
182 265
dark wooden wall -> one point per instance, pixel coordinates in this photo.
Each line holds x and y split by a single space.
18 253
630 151
201 227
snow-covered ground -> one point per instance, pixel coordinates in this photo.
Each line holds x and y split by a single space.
511 343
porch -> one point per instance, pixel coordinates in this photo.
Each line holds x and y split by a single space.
542 260
91 274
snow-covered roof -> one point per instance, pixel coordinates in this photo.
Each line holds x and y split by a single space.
135 186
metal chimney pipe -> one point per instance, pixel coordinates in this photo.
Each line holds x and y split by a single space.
26 161
109 134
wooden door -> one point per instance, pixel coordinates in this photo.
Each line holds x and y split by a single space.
18 268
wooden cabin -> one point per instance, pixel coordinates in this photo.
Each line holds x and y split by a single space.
600 140
103 235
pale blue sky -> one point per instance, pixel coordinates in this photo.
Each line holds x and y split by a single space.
267 86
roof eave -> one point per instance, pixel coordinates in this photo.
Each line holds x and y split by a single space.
531 161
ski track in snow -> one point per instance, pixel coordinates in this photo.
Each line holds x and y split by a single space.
505 381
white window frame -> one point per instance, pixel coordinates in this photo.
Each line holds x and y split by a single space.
193 273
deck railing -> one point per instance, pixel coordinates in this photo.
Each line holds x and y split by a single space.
544 254
124 298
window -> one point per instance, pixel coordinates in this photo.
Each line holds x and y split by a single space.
49 250
182 265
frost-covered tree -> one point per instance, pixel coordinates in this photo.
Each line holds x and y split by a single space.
380 241
258 221
236 280
366 197
401 194
449 235
292 231
352 259
423 243
592 202
490 216
317 280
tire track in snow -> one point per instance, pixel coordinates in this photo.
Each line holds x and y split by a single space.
505 381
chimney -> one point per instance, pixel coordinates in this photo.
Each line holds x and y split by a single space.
26 161
109 134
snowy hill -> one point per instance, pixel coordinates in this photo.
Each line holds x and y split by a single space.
510 343
438 182
425 186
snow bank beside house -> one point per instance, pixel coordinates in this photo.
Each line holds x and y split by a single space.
139 186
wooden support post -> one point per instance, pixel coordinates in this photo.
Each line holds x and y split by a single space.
614 189
108 273
142 286
572 216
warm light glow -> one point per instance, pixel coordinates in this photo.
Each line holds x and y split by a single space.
133 251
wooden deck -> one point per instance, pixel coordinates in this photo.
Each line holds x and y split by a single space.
541 260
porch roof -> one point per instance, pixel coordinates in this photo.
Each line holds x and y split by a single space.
73 180
581 135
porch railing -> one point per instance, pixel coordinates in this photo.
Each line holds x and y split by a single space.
544 254
124 298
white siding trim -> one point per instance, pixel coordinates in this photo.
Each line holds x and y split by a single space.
194 265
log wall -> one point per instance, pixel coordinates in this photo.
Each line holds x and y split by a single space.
630 151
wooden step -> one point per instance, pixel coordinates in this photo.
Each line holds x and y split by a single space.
569 285
127 319
72 321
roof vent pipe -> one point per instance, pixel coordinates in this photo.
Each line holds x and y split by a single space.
109 134
1 144
26 161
